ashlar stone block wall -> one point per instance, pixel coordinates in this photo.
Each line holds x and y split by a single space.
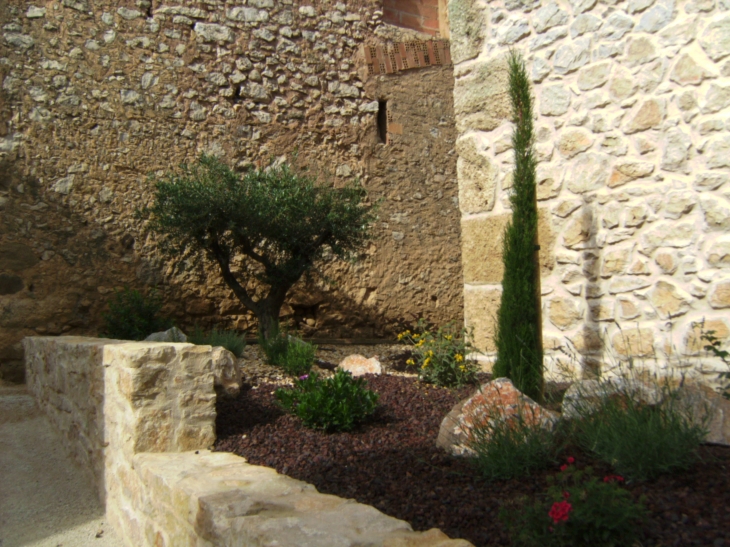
139 417
632 104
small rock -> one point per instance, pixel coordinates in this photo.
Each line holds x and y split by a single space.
170 335
358 365
226 371
702 405
584 397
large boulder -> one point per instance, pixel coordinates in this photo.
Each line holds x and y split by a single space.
585 396
170 335
498 400
358 365
227 371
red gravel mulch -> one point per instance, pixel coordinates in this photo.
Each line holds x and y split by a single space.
392 463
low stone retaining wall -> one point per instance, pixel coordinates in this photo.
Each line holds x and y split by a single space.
141 417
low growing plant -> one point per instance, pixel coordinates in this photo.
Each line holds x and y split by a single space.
441 357
512 448
134 316
714 346
338 403
231 340
578 509
639 440
293 355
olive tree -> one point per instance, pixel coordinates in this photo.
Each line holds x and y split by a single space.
264 228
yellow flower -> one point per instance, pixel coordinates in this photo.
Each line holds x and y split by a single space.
459 357
420 342
410 362
462 367
426 362
448 337
401 335
429 353
416 336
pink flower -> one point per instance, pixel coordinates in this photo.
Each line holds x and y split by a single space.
302 378
559 511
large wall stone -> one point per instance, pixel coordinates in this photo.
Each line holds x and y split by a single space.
482 240
631 108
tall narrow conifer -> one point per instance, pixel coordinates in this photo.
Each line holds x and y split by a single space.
519 330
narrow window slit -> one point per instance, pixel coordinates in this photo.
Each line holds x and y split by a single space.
383 121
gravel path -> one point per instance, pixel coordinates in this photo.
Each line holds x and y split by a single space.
45 500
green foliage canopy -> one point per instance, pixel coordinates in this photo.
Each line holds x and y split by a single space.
278 218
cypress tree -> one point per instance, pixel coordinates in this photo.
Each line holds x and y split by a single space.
519 330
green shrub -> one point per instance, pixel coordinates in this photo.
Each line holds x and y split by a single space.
293 355
714 346
512 448
338 403
298 358
231 340
578 509
640 441
274 346
133 316
441 357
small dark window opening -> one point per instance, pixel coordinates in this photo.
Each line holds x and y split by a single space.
383 121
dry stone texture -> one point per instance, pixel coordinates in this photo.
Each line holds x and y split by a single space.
631 117
95 96
140 416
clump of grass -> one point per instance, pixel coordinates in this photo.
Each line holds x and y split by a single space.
231 340
640 441
513 447
293 355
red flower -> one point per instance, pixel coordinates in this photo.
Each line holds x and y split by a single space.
571 459
559 511
564 467
566 495
613 478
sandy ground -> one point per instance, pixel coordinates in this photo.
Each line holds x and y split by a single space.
45 499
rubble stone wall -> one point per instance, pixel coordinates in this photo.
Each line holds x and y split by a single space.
96 96
632 137
140 416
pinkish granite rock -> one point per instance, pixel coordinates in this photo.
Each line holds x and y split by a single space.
494 401
357 365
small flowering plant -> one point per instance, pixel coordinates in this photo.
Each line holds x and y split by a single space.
579 508
441 357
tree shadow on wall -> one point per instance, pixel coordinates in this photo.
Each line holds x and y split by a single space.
584 349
